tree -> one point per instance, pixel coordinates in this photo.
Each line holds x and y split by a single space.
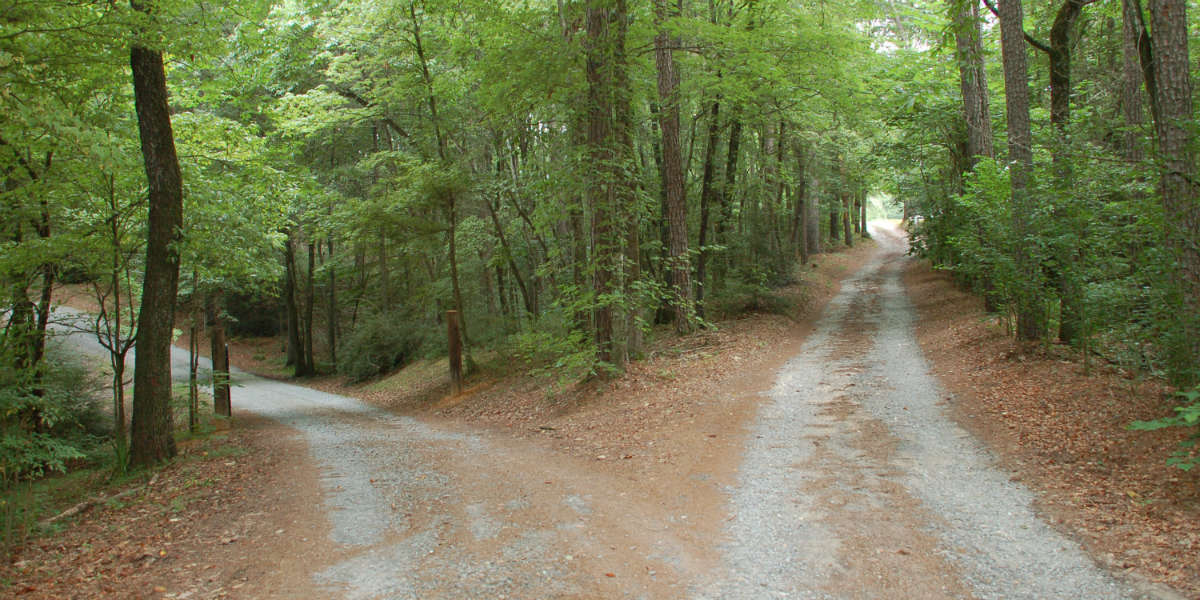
605 44
1030 320
152 434
1178 186
672 166
973 79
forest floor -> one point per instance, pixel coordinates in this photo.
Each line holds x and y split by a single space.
617 487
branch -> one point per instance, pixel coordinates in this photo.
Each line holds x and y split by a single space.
351 95
90 502
21 160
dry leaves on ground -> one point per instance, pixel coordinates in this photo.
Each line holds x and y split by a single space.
1061 430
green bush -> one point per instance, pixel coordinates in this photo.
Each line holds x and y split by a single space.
43 430
553 351
378 344
1187 416
751 290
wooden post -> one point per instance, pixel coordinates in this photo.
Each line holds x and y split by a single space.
455 351
228 387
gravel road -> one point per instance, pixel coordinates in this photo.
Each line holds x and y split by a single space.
856 484
853 483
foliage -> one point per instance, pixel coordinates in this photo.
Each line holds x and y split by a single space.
564 356
42 430
1187 416
379 344
751 291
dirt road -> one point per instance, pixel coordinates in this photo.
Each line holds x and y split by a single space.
853 483
856 484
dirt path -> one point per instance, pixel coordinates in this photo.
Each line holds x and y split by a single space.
422 511
856 483
849 481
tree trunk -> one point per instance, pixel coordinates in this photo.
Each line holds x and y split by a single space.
193 376
1060 277
602 38
451 197
219 352
295 352
44 298
1030 320
835 220
1131 81
862 214
385 274
812 217
631 339
799 235
1060 63
972 80
508 257
502 291
672 171
1177 185
777 208
727 191
331 315
847 218
152 436
708 194
310 301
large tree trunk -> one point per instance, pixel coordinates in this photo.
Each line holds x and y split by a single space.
602 38
631 338
1071 321
672 171
1030 320
152 436
972 80
1178 186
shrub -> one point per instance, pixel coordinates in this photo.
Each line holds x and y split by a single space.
42 431
379 344
1187 416
752 290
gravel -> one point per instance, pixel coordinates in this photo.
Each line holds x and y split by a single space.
864 358
852 439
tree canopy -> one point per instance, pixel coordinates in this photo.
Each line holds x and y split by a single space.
569 175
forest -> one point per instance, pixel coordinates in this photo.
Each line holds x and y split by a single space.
570 178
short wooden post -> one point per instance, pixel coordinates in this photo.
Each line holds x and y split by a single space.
455 347
228 384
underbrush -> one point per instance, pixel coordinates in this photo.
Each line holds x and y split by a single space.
379 344
73 457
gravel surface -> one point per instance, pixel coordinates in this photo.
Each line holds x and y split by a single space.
854 483
855 451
